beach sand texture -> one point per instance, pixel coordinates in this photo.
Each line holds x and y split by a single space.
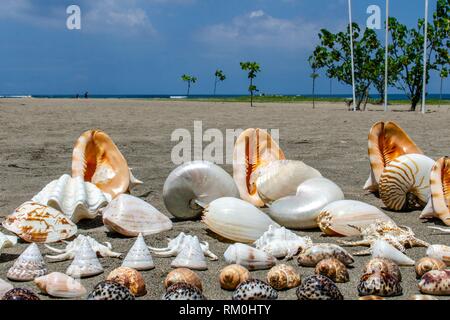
37 137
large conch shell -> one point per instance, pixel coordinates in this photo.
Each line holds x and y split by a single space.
191 256
439 204
195 184
60 285
28 266
139 256
129 216
85 264
236 220
74 197
387 141
97 159
7 241
253 150
34 222
405 182
248 257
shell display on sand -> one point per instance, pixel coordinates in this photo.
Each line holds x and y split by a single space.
191 256
29 265
439 251
4 287
333 269
435 282
283 277
20 294
193 185
427 264
34 222
253 150
312 255
97 159
129 216
130 278
377 265
110 290
139 256
7 241
382 249
183 291
318 287
379 284
233 275
254 289
74 197
249 257
183 275
85 264
60 285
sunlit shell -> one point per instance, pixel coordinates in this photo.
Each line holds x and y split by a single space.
74 197
312 255
7 241
191 256
405 182
427 264
97 159
20 294
232 276
377 265
183 291
387 141
435 282
254 149
110 290
183 275
439 251
248 257
333 269
283 277
129 216
139 256
339 218
236 220
193 185
382 249
379 284
29 265
130 278
85 264
60 285
34 222
254 289
318 287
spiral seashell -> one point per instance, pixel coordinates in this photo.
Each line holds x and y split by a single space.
377 265
283 277
20 294
249 257
232 276
440 252
254 289
435 282
85 264
183 291
28 266
379 284
312 255
139 256
191 256
130 278
57 284
421 297
318 287
427 264
333 269
184 275
110 290
371 298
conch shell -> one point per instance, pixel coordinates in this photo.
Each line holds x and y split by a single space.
232 276
246 256
97 159
283 277
253 150
387 141
60 285
427 264
28 266
184 275
130 278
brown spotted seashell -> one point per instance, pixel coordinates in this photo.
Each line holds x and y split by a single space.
333 269
20 294
183 275
130 278
283 277
232 276
427 264
377 265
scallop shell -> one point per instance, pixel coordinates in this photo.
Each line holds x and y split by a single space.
110 290
377 265
254 289
333 269
85 264
97 159
236 220
405 182
139 256
281 178
34 222
248 257
130 278
4 287
183 275
28 266
191 256
318 287
427 264
183 291
339 218
312 255
379 284
382 249
387 141
283 277
74 197
439 251
193 185
20 294
130 216
233 275
254 149
60 285
7 241
301 211
439 204
435 282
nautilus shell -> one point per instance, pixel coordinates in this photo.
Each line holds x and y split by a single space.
253 150
97 159
387 141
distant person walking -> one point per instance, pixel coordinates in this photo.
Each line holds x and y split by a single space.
86 95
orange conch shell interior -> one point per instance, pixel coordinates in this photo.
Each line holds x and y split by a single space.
254 149
440 189
387 141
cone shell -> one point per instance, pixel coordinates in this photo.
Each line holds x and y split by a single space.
139 256
183 275
110 290
312 255
34 222
129 216
337 218
382 249
253 150
435 282
377 265
254 289
333 269
4 287
427 264
20 294
74 197
232 276
191 256
440 252
248 257
60 285
283 277
130 278
85 264
29 265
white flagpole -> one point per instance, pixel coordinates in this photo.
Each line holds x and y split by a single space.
351 52
424 85
386 59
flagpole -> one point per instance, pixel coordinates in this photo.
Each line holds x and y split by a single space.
386 59
351 52
424 84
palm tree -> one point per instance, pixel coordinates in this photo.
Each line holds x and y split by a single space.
253 68
314 75
218 76
189 79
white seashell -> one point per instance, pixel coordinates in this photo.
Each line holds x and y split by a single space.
7 241
195 184
139 257
74 197
248 257
60 285
129 216
236 220
191 256
445 230
70 250
340 218
28 265
85 264
282 243
301 211
405 182
440 252
281 178
4 287
382 249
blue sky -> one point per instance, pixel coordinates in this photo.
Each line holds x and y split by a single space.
143 46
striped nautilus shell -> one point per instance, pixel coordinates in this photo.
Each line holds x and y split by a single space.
439 204
405 184
387 141
253 150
